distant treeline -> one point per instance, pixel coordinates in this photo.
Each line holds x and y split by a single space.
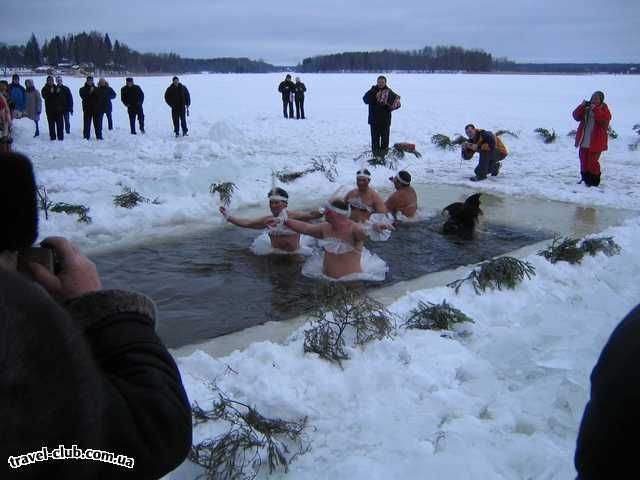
426 59
97 51
507 66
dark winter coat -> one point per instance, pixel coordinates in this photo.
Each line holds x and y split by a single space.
299 89
379 114
105 95
286 88
607 445
94 375
18 95
90 98
599 135
68 98
177 97
132 97
54 99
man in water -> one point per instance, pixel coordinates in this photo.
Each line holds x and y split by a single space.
363 200
404 200
281 238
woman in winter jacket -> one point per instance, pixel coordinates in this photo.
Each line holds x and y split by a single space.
592 136
33 104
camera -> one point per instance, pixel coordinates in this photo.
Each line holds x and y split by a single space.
587 103
41 255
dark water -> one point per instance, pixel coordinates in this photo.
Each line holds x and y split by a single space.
211 284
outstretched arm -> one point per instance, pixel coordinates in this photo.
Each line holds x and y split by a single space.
255 223
305 216
313 230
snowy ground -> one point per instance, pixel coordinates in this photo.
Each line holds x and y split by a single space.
503 403
237 134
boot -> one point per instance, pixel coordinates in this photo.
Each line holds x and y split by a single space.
595 180
496 169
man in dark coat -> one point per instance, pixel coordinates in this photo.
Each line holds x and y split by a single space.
132 97
178 98
17 94
87 372
68 109
490 150
91 100
106 94
286 88
54 104
298 90
382 101
608 437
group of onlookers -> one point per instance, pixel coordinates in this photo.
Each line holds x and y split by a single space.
17 101
292 93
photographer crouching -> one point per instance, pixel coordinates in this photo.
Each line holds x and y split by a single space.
81 366
592 136
490 149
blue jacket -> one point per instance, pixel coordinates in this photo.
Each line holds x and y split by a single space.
18 96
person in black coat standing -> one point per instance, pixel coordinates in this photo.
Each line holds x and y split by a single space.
106 95
132 97
607 442
382 101
299 89
287 88
178 98
68 110
90 108
54 104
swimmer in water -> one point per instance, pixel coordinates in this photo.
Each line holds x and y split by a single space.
282 239
404 200
363 200
340 238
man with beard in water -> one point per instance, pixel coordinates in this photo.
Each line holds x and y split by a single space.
341 239
282 239
364 201
404 200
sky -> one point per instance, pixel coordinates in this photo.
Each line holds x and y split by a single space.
284 33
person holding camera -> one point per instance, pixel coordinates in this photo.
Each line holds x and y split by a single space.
91 100
382 101
82 365
132 97
592 136
54 102
490 149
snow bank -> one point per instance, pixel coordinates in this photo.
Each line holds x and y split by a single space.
502 403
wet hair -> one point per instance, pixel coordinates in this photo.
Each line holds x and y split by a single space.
404 176
600 94
19 214
339 203
278 191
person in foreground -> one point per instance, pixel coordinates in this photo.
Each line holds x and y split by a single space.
592 136
82 366
607 444
279 238
342 241
404 201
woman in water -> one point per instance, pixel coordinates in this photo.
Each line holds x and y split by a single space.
342 241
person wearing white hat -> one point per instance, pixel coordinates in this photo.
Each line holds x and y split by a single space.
364 200
404 200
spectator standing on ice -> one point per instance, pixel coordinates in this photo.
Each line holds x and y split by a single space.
299 89
132 97
592 136
178 98
33 105
490 149
382 101
5 118
106 95
287 89
90 108
17 97
68 109
54 106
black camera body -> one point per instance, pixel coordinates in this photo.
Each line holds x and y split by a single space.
587 103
